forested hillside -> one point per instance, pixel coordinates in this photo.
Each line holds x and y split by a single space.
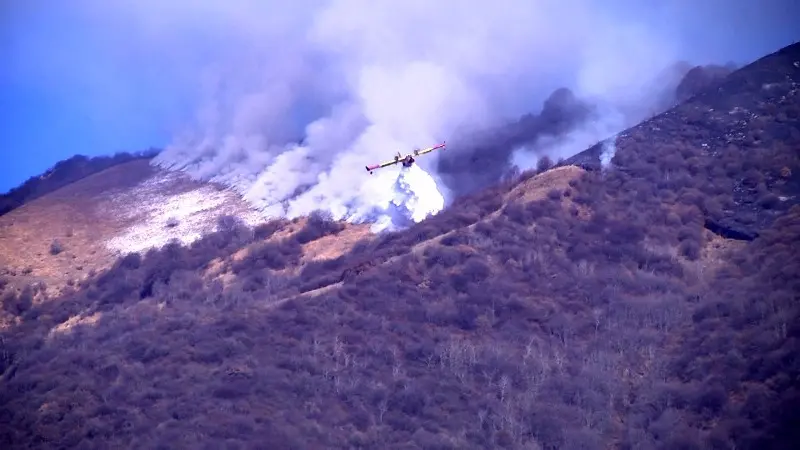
567 309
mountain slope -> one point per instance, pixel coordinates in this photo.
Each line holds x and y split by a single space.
574 308
62 236
736 143
62 174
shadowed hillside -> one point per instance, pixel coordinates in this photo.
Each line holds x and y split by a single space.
63 173
487 156
574 308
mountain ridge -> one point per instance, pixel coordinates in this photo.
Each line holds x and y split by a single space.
63 173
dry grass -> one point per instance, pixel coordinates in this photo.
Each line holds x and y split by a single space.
72 322
73 217
530 190
536 188
334 246
327 247
82 217
717 249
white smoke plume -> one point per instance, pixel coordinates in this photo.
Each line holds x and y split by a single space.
624 88
412 198
293 99
608 152
607 121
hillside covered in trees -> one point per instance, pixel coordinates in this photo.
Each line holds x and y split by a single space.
569 308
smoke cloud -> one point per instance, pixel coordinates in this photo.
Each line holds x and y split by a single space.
607 155
607 120
290 100
398 77
413 198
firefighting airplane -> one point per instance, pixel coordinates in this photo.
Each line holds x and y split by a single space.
407 161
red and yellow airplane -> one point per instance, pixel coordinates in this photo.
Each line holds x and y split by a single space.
407 161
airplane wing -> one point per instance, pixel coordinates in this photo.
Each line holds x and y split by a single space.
429 149
382 165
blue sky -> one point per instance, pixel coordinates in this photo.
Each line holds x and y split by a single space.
65 90
78 78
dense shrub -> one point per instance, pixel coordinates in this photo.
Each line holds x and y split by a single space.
270 255
319 224
18 304
266 230
56 247
436 255
544 163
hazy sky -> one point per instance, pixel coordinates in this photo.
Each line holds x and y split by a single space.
96 77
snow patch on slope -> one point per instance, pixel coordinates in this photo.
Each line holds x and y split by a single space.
160 213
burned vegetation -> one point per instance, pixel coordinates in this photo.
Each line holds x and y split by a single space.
602 314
